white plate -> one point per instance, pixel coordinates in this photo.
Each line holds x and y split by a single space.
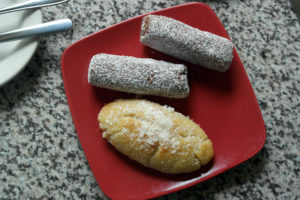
14 55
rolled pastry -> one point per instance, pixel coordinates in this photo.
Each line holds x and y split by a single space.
155 136
182 41
138 75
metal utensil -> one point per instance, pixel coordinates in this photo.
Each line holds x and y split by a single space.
27 4
37 30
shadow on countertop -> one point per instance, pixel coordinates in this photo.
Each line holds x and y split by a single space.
14 91
248 171
295 5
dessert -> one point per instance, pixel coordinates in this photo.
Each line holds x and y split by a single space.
155 136
138 75
182 41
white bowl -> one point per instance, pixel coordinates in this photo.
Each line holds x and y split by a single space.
14 55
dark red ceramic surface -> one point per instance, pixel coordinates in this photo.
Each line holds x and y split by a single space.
223 104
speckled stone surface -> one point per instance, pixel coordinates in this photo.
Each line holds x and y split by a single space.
40 154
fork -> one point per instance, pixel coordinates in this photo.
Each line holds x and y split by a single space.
27 4
37 30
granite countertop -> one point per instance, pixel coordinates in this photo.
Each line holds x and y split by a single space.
40 154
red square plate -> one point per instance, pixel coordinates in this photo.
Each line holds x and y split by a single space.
223 103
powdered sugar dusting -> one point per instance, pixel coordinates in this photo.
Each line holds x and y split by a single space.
187 43
156 126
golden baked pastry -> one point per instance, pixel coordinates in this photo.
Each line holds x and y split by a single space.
155 136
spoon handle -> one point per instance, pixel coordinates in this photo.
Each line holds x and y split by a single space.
27 4
37 30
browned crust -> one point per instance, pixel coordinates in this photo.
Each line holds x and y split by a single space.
145 25
155 136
